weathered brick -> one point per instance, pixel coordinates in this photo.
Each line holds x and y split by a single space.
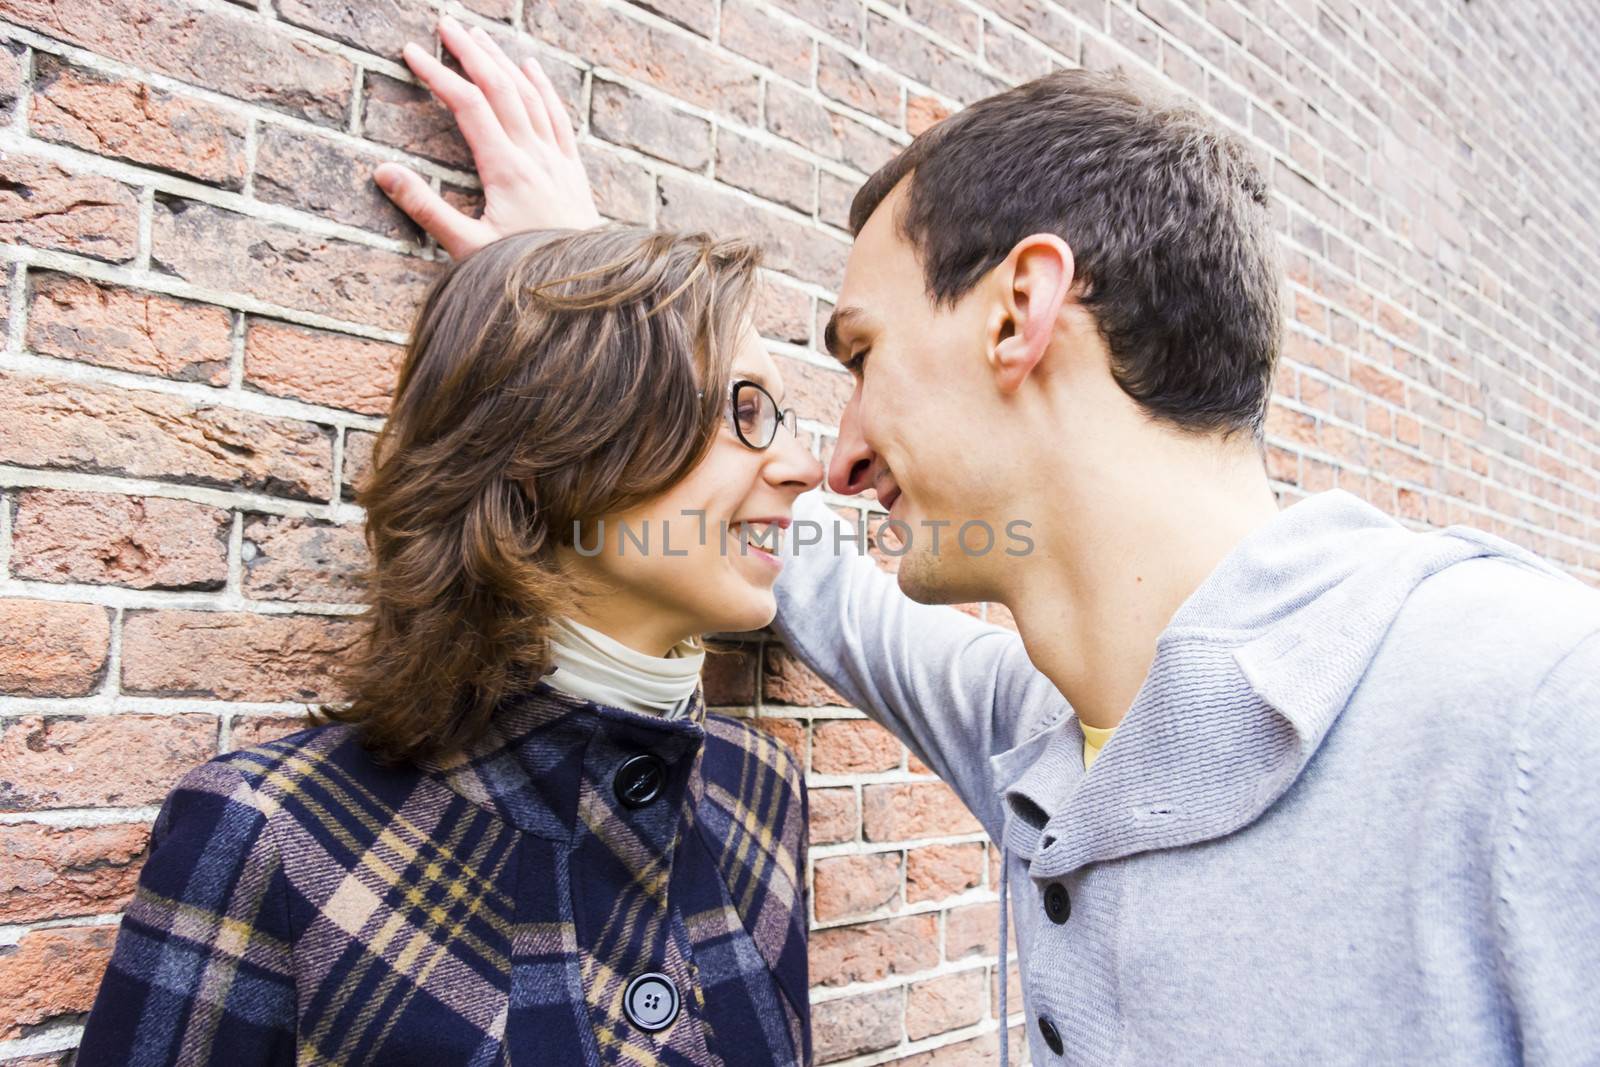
327 178
623 191
790 733
798 117
202 244
56 872
835 815
791 246
684 67
234 655
236 54
929 63
783 311
872 951
381 26
52 649
847 80
248 731
851 1026
357 461
99 760
144 542
973 929
788 681
729 674
748 30
102 429
934 872
130 120
128 329
853 746
856 885
649 125
291 558
320 367
819 392
905 811
52 973
406 115
44 205
948 1002
13 60
766 171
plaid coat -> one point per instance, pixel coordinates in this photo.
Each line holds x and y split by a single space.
303 904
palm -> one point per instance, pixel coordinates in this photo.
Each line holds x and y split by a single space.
521 141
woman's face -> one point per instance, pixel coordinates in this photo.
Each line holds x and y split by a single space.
691 561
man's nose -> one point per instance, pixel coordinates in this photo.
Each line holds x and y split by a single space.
851 468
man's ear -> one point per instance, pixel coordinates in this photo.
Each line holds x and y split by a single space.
1032 284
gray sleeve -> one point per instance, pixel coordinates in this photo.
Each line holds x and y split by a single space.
1548 864
953 688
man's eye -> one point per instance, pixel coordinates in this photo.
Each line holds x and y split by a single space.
857 361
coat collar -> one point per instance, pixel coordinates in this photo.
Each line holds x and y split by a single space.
545 746
1247 680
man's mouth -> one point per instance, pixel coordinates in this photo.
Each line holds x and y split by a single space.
888 493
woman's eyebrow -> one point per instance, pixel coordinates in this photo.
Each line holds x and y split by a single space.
761 380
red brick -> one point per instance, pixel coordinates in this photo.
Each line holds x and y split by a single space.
649 125
790 733
802 251
853 746
357 461
237 54
102 429
835 815
872 951
383 27
327 178
766 171
99 760
923 111
144 542
783 311
321 367
729 673
857 85
52 649
974 929
934 872
918 57
248 731
680 66
204 245
44 205
52 973
788 681
405 115
901 812
130 120
851 1026
749 31
798 117
821 393
293 558
56 872
845 886
13 57
234 655
946 1003
128 329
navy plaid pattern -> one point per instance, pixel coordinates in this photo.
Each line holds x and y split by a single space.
302 903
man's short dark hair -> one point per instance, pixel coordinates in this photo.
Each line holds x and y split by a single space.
1165 213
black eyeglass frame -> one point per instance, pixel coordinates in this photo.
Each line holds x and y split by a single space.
781 416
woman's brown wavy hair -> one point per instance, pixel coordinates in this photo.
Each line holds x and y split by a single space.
553 376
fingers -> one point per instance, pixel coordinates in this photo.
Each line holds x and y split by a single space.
456 233
498 88
492 150
532 102
560 121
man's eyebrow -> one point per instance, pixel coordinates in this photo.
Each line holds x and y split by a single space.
848 315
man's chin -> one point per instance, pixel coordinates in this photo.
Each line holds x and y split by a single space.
920 578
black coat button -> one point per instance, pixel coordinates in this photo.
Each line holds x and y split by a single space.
651 1002
1051 1038
640 779
1057 904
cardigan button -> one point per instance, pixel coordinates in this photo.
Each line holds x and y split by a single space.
1057 904
640 780
1051 1037
651 1002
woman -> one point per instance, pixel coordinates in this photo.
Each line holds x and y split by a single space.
524 841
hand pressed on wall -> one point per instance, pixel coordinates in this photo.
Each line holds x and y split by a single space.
521 141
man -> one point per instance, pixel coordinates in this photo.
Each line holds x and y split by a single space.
1345 813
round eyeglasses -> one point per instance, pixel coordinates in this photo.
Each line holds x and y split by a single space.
754 415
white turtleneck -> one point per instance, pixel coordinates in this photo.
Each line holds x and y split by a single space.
598 667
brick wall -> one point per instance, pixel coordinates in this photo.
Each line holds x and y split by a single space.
203 295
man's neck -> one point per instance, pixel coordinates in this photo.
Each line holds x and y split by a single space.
1109 572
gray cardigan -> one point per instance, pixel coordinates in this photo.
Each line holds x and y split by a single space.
1351 817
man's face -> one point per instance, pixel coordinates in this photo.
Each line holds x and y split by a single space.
914 429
